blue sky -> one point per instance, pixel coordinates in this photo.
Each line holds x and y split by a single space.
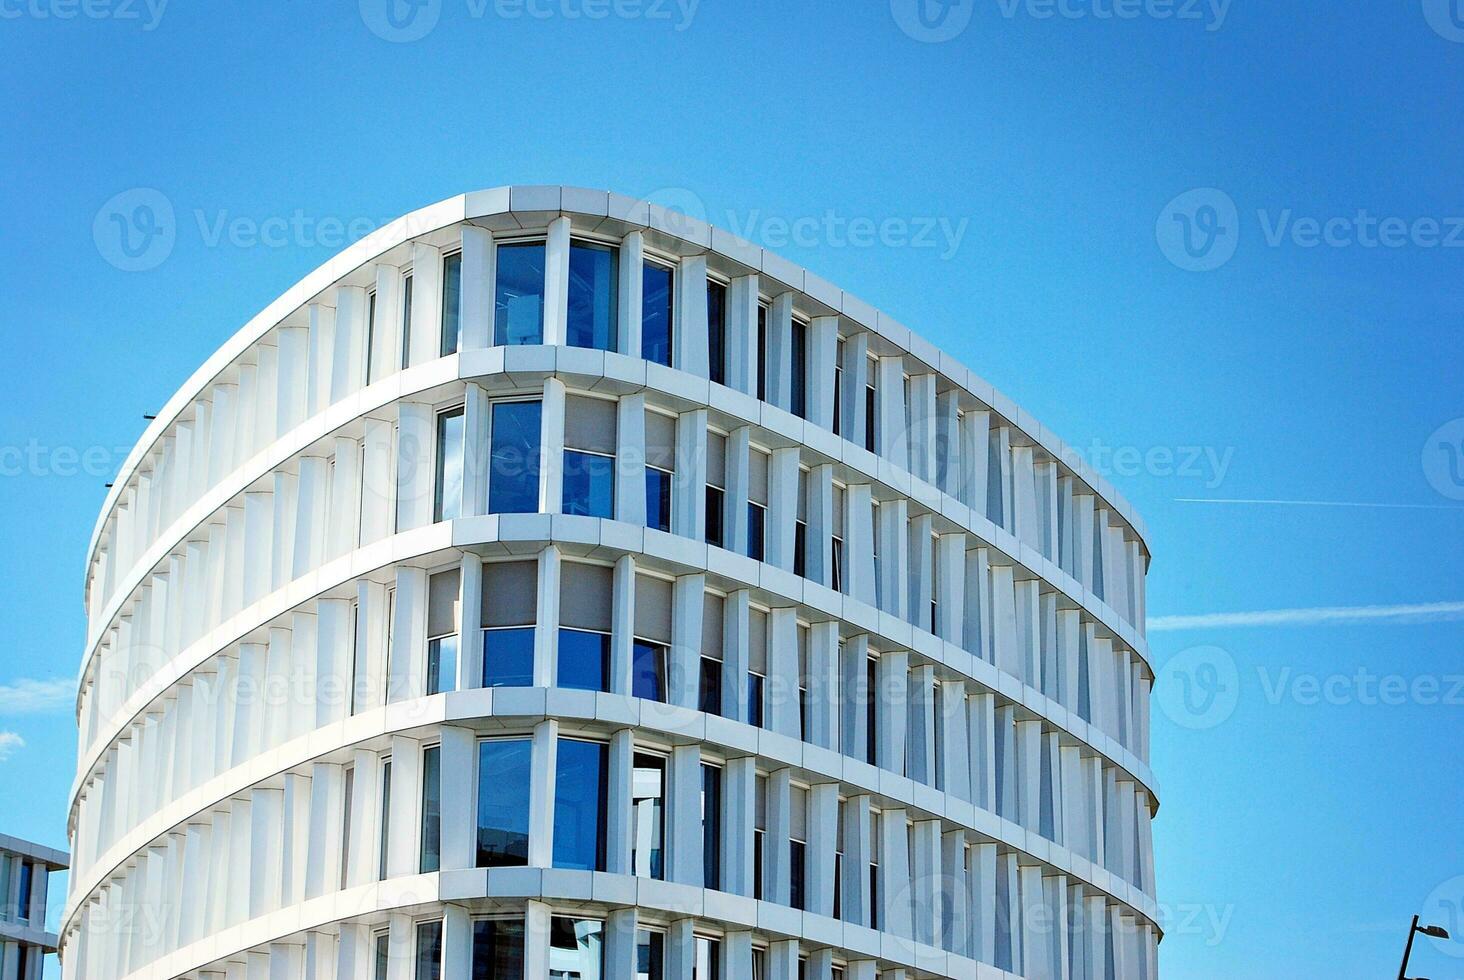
1077 167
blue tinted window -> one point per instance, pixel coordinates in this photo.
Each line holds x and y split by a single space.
648 671
593 295
756 515
503 802
589 484
709 686
448 489
717 332
452 302
518 302
513 477
498 950
755 700
716 498
442 664
508 657
584 660
656 317
711 802
658 499
800 369
650 955
431 856
648 809
579 806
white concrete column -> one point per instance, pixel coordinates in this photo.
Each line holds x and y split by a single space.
950 584
820 965
742 347
922 427
632 290
823 352
859 543
739 800
854 425
478 284
955 760
630 458
457 939
348 356
921 571
556 282
779 356
782 959
402 856
619 825
386 341
854 695
894 874
546 631
736 654
327 843
691 337
545 752
459 798
425 343
738 488
407 663
477 409
954 921
894 557
689 495
622 625
551 482
688 606
265 838
892 709
925 880
470 626
890 404
981 872
981 722
416 442
776 850
1029 773
620 944
683 822
823 816
782 519
783 673
858 843
736 954
922 724
818 562
823 684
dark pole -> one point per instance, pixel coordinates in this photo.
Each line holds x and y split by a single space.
1408 950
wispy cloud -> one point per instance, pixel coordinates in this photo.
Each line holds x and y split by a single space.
10 743
1366 504
28 696
1427 612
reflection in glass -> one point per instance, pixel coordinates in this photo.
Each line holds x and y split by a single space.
648 671
429 950
576 948
650 955
579 805
656 313
589 484
658 499
513 476
503 802
648 799
447 497
593 295
518 302
442 664
452 302
498 949
717 332
431 855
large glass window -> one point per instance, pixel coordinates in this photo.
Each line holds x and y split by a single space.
709 686
382 852
658 288
503 802
711 805
429 950
518 301
579 805
717 332
383 955
593 295
431 854
23 892
708 959
762 353
658 499
371 366
797 847
448 487
498 949
759 833
716 488
576 949
442 630
513 478
509 609
589 456
650 955
584 660
648 800
452 302
756 530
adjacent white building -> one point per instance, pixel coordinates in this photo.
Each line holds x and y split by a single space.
25 876
552 586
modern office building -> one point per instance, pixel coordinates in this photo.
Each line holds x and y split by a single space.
550 585
25 876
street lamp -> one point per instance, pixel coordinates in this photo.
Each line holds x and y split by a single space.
1433 932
